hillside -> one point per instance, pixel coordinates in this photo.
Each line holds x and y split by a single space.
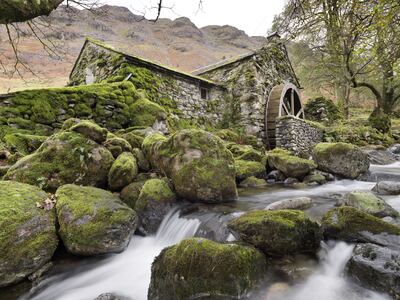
177 43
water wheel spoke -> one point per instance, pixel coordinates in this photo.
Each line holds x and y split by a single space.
285 108
292 102
299 113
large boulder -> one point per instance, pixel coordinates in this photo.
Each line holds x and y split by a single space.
342 159
28 236
123 171
377 268
201 168
352 225
246 169
93 221
117 146
380 156
155 200
200 268
290 165
279 232
66 157
91 130
368 202
299 203
387 188
131 192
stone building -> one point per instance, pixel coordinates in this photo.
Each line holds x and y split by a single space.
251 91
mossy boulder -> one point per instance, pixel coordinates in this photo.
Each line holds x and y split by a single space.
146 113
253 182
141 159
28 236
245 152
352 225
368 202
117 145
90 130
342 159
23 143
66 157
123 171
130 194
290 165
197 267
155 200
322 109
198 163
93 221
279 232
380 121
133 139
245 169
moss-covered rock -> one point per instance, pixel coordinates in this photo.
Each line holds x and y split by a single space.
380 121
352 225
278 232
123 171
253 182
322 110
290 165
368 202
28 236
130 194
245 152
133 139
93 221
315 177
245 169
146 113
201 267
66 157
90 130
155 200
201 168
342 159
117 145
23 143
141 159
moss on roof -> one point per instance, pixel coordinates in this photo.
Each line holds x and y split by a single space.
145 62
222 63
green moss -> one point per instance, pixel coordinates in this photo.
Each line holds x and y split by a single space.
150 141
328 150
123 171
199 266
154 190
330 113
245 152
290 165
23 143
89 219
253 182
130 194
117 145
278 232
347 223
133 139
145 113
90 130
246 169
380 121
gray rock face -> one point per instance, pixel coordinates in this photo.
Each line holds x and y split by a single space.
376 267
395 149
368 202
111 296
380 157
93 221
295 203
28 236
387 188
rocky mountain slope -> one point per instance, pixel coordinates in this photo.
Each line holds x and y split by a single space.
177 43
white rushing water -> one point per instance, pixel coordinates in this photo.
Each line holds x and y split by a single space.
126 274
328 282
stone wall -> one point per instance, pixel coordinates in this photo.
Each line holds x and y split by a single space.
250 80
99 63
297 135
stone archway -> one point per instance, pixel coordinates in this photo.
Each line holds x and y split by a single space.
283 100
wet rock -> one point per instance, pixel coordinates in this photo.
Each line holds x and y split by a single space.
28 236
123 171
387 188
290 165
111 296
300 203
246 169
93 221
276 291
200 268
131 192
352 225
395 149
316 177
380 157
368 202
277 233
342 159
290 181
275 176
253 182
197 162
65 157
155 200
377 268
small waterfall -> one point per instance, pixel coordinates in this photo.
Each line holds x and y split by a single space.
328 282
126 274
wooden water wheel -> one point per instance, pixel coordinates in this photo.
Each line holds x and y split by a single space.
283 100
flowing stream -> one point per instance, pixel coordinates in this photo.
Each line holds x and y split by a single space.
128 273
